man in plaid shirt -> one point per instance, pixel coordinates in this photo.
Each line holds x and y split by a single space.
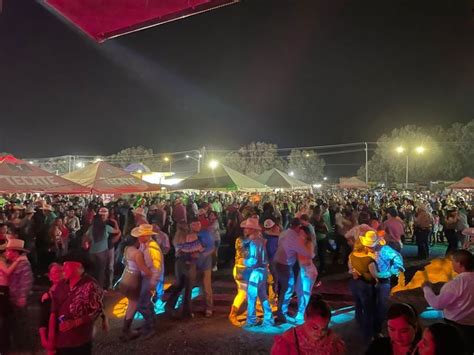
20 282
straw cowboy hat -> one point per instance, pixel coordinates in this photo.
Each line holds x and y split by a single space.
16 244
143 230
139 211
251 223
268 224
47 207
19 207
370 239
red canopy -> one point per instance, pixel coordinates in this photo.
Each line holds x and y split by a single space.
103 178
463 184
17 176
104 19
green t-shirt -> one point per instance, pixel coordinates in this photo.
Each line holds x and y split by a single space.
100 245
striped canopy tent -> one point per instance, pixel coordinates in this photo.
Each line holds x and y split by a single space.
18 176
104 178
466 183
352 183
277 179
222 178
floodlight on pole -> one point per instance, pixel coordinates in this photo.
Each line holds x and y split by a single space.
400 149
291 173
168 160
420 149
213 164
80 164
325 178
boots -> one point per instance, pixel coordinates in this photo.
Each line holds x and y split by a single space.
127 333
233 316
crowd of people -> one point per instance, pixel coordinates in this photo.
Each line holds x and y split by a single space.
279 245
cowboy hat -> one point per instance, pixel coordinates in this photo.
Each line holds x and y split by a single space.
153 208
19 207
16 244
143 230
251 223
46 207
139 211
268 224
468 232
370 239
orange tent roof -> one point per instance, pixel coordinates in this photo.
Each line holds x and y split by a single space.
104 178
17 176
465 183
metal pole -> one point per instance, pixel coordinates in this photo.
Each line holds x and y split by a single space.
199 163
366 164
406 177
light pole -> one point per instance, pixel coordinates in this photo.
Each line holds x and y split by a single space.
198 159
168 160
400 150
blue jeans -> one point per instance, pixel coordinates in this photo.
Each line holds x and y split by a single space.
257 287
382 294
422 241
363 294
145 305
286 281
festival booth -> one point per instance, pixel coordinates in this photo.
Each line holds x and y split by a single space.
222 178
277 179
18 176
105 19
466 183
104 178
352 183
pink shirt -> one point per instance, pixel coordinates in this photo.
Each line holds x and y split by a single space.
394 228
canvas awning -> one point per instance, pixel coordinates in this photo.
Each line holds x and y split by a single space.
279 180
466 183
222 178
352 183
104 178
18 176
104 19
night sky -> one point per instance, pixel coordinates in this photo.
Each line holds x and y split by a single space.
295 73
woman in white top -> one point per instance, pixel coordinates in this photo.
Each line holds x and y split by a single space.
216 234
130 283
306 277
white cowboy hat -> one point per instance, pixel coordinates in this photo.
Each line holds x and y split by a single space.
143 230
16 244
468 232
370 239
268 224
251 223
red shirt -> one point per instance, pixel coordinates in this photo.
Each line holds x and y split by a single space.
84 300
